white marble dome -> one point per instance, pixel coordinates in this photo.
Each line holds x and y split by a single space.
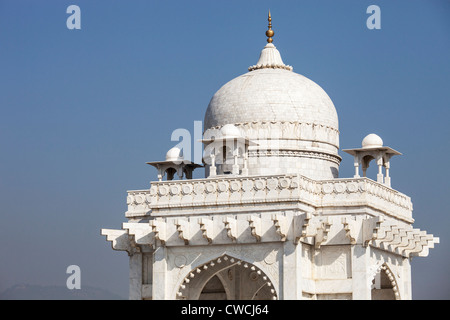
271 95
271 91
281 111
372 141
229 130
174 154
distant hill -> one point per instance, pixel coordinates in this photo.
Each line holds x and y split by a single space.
37 292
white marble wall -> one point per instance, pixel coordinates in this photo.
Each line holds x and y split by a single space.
327 239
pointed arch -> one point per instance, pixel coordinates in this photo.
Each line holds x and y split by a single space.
384 284
240 279
215 289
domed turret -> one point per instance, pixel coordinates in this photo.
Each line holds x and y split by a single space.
174 154
230 131
372 141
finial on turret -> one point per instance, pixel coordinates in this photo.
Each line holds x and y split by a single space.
270 33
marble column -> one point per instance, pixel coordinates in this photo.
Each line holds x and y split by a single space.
136 276
361 284
292 275
160 274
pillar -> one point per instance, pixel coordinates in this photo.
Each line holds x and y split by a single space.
212 168
356 164
292 274
160 274
387 179
361 284
135 276
180 171
406 293
245 168
160 174
380 169
236 165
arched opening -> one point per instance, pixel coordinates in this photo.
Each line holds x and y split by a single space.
213 290
384 286
226 278
366 164
225 160
170 173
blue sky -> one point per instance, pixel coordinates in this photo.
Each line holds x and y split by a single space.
83 110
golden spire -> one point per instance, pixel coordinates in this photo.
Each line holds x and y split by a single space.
270 33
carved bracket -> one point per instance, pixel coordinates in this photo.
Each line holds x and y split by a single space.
281 225
142 233
351 229
301 226
231 227
120 240
206 226
159 229
255 227
322 232
370 229
183 230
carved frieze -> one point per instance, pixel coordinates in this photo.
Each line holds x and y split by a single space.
215 193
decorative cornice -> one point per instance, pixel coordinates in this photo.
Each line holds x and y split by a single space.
258 131
223 191
295 153
268 123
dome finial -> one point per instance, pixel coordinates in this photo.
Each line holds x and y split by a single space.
270 33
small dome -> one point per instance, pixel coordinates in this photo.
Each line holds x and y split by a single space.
230 130
372 141
174 154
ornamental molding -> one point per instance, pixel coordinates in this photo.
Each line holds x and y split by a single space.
268 124
282 130
295 153
223 192
270 66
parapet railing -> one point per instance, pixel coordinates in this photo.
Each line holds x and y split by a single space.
222 191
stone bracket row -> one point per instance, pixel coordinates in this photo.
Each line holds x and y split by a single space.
389 236
305 227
